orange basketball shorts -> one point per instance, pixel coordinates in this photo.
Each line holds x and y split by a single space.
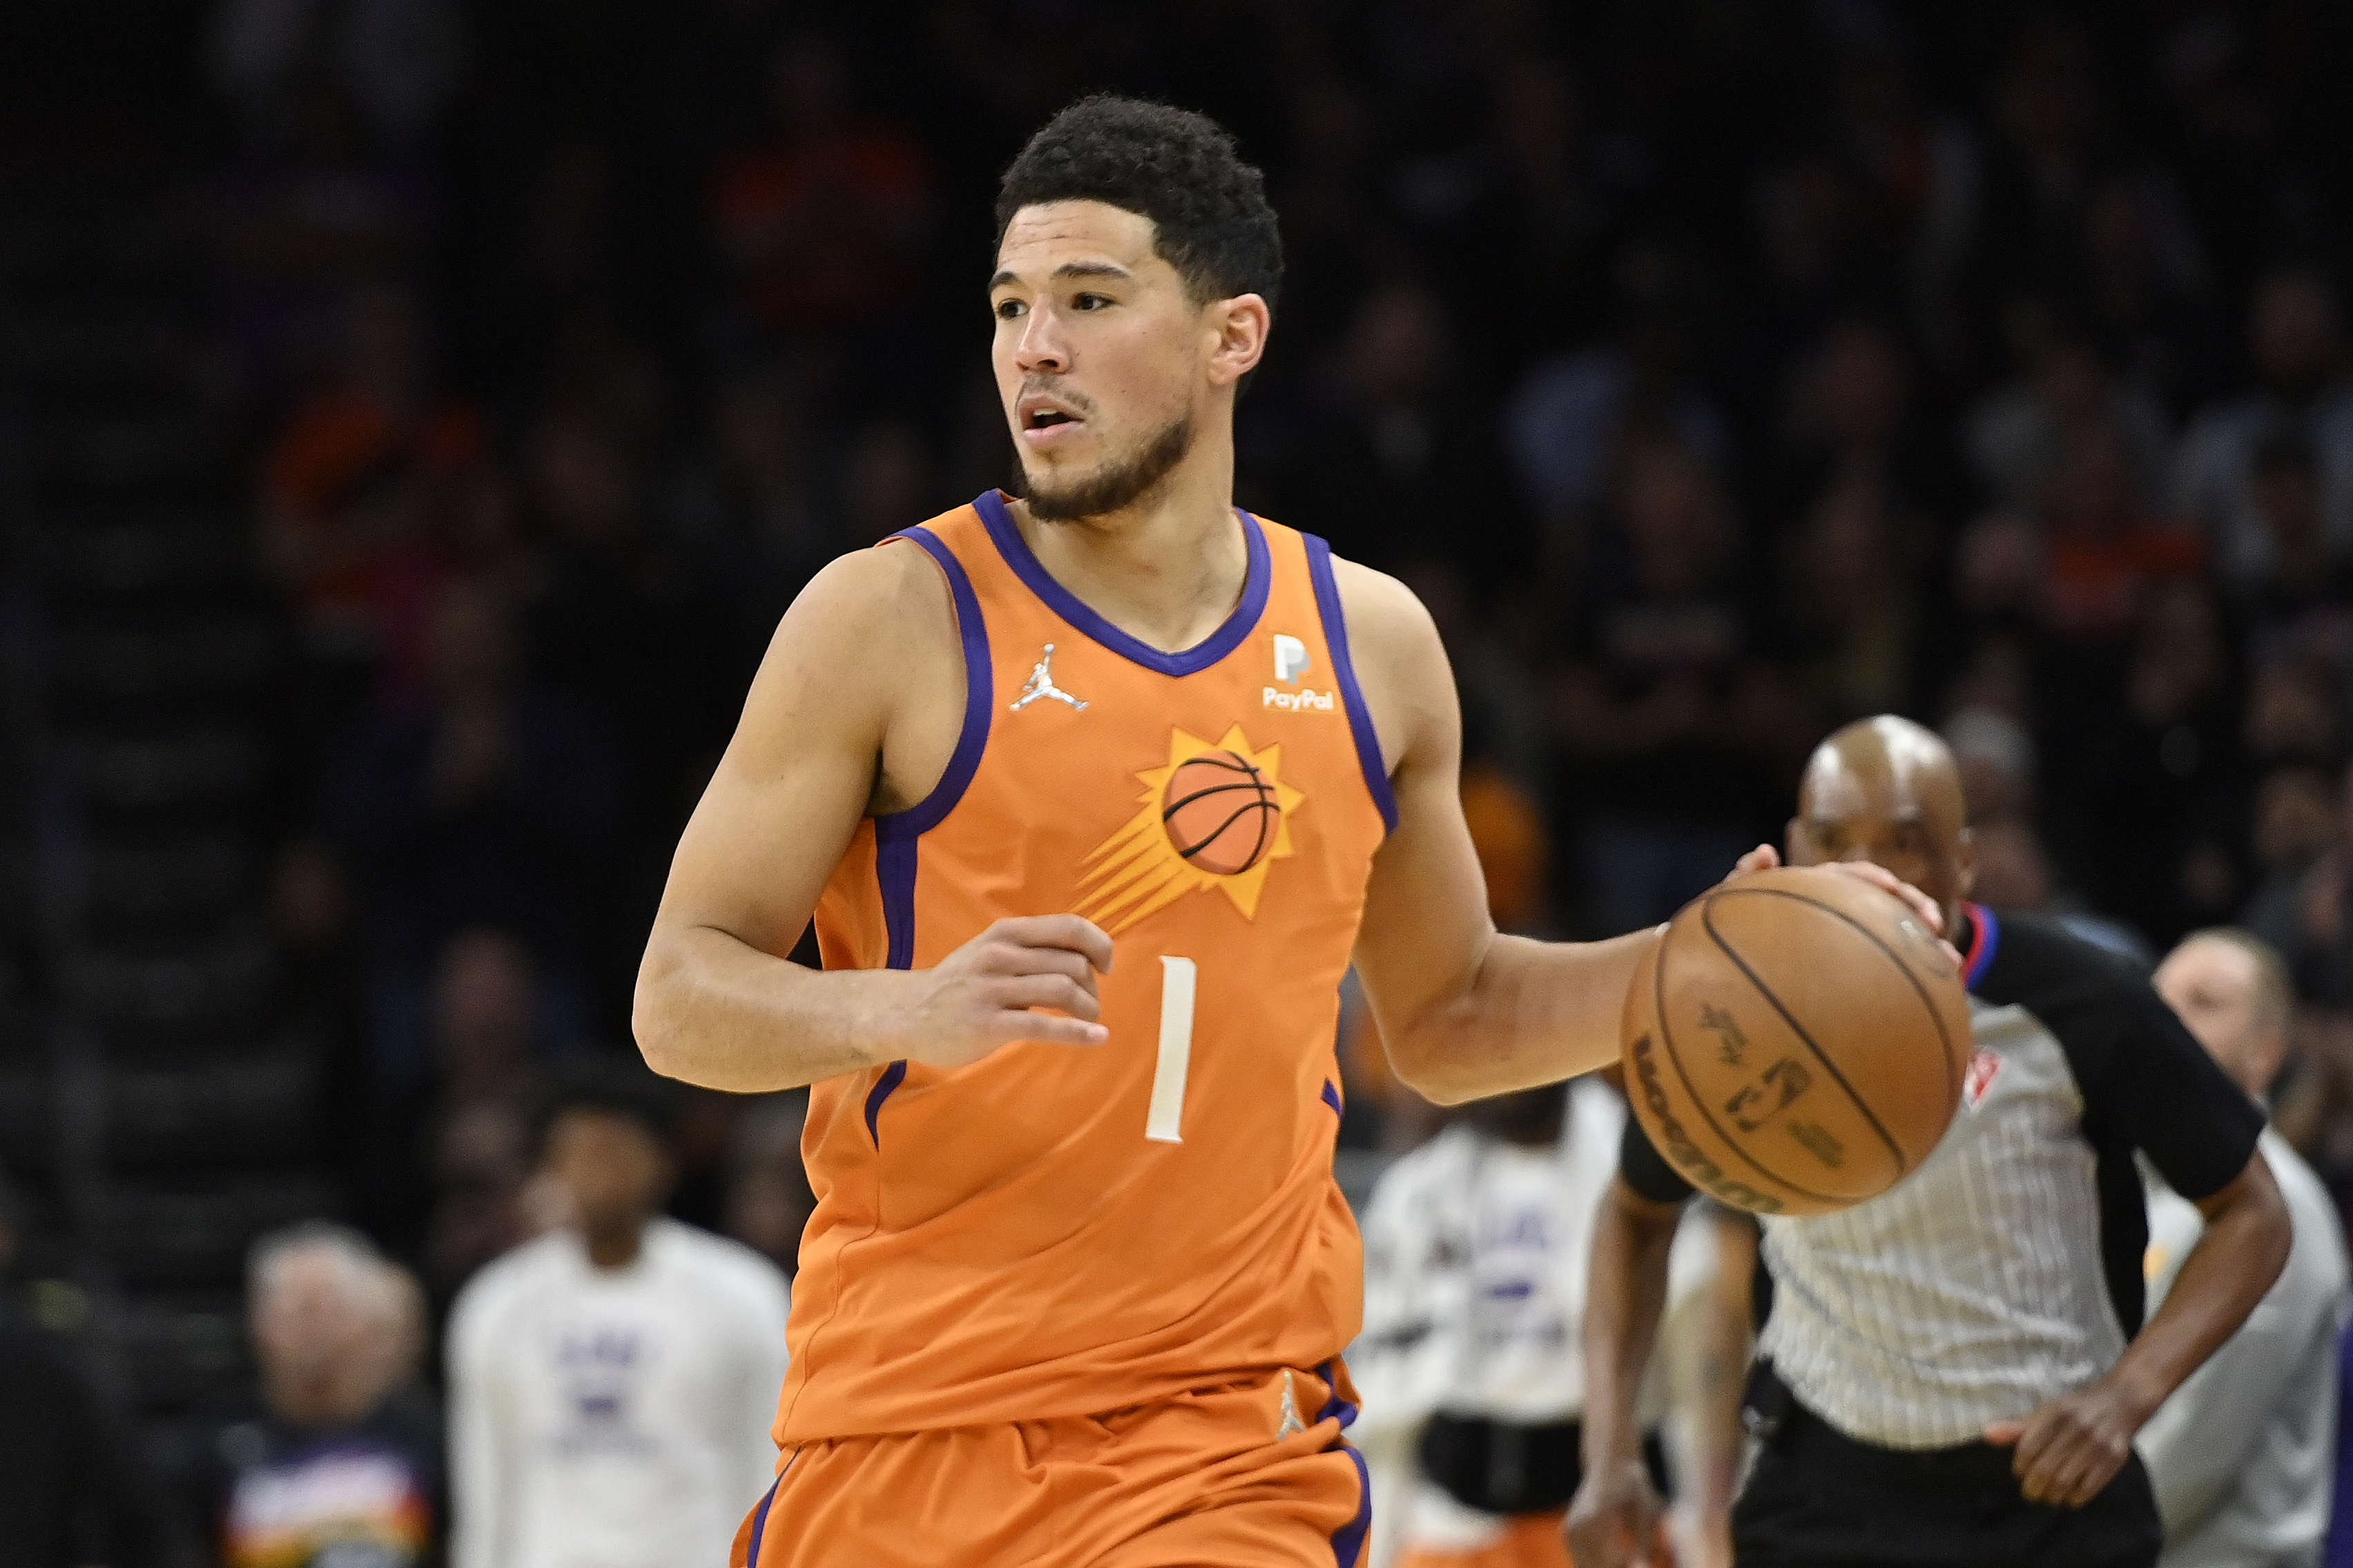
1247 1475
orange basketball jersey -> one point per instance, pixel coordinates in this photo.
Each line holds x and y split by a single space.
1062 1230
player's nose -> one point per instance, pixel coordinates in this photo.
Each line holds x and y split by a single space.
1040 345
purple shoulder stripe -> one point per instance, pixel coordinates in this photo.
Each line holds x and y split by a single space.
1360 719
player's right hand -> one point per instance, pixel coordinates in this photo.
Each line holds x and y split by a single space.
1613 1521
1030 978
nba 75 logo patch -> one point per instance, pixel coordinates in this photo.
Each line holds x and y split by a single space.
1984 1067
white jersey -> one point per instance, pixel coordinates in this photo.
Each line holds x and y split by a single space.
1476 1256
613 1419
2242 1455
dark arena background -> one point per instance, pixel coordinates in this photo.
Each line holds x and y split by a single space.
414 416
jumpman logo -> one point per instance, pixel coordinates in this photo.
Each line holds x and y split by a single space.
1291 1420
1042 684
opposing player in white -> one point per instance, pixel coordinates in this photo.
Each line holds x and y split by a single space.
611 1383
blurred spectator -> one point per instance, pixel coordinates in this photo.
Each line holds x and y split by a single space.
2014 872
2017 436
2243 1456
1399 440
398 59
1996 756
74 1492
487 804
1847 417
1919 170
2291 713
2302 911
1851 613
1475 1253
768 1196
340 1463
612 1383
2145 283
821 227
2052 114
478 1160
2162 801
2301 391
492 1038
2105 549
1572 416
629 626
348 483
310 214
1672 725
2301 603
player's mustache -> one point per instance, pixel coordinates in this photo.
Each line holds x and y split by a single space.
1054 387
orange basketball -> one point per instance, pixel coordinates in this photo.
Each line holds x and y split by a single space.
1794 1044
1220 813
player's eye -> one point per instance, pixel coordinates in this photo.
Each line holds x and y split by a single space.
1090 302
1008 309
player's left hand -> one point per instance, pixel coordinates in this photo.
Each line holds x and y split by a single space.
1765 858
2070 1449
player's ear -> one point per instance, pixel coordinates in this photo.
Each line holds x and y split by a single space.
1964 863
1238 327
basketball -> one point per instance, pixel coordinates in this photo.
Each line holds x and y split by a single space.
1795 1043
1220 813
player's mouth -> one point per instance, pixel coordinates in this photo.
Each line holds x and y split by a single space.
1046 422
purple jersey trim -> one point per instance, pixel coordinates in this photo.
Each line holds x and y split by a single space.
1360 719
1334 1405
1348 1544
1257 582
760 1515
979 694
1332 1097
895 835
892 1077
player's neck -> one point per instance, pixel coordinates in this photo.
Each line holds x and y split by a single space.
614 1248
1169 569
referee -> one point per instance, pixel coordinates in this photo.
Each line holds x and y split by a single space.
1952 1373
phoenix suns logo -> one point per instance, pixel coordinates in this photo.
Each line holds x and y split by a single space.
1216 815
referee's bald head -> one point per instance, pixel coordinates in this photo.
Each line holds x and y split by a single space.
1886 790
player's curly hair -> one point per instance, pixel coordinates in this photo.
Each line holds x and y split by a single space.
1208 209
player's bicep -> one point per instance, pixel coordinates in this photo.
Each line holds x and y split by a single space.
799 771
1425 923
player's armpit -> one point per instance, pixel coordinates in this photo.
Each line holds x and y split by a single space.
856 705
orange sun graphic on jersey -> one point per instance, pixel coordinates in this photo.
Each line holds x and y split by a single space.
1217 815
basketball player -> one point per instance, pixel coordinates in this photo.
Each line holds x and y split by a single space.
1094 796
1952 1373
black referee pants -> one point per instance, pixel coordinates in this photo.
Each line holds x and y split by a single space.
1817 1498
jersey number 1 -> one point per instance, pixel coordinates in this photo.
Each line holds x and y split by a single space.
1177 977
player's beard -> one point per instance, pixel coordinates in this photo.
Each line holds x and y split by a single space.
1115 485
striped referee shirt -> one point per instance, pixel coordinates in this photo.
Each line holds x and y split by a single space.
2006 1269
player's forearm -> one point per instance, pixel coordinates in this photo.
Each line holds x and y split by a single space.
1524 1013
2225 1276
1626 1293
713 1011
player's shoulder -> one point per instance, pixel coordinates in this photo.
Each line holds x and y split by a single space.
873 589
1381 611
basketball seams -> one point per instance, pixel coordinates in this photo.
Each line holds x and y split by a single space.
1264 810
1700 1102
1265 804
1953 1061
1902 1163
